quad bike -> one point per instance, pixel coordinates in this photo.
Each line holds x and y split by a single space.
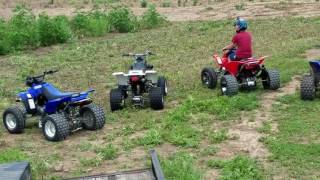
60 112
140 79
310 83
239 74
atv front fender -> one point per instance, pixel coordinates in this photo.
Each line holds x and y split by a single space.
28 102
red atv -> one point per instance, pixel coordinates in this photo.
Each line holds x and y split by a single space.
239 74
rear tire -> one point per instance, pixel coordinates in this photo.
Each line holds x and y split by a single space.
14 119
229 85
156 98
209 77
271 79
162 83
93 117
307 88
116 99
55 127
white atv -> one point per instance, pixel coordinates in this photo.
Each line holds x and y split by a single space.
140 79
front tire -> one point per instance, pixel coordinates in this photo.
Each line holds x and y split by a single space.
14 119
156 98
93 117
229 85
162 83
55 127
271 79
209 77
116 99
307 88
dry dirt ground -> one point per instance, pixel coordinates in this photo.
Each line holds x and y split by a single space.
202 11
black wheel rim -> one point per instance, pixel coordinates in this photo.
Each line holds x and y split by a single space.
223 86
205 78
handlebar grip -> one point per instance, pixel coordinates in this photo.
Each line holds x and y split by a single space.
125 54
50 72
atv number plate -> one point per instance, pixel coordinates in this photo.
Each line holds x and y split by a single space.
31 102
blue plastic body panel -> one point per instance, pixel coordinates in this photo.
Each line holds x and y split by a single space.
315 65
52 104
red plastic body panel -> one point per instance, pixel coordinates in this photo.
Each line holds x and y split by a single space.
233 66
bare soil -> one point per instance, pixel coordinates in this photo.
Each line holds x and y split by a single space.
227 9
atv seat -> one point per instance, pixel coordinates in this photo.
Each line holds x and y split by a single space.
51 93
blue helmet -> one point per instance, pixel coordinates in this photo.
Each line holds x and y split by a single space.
241 23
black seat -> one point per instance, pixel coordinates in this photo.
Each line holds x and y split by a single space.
51 93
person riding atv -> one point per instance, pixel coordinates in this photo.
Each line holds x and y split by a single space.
241 46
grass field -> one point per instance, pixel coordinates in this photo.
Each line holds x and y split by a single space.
195 123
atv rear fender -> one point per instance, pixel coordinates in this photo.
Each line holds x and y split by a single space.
315 66
122 78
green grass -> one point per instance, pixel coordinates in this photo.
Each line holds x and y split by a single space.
108 152
192 112
240 167
296 145
180 167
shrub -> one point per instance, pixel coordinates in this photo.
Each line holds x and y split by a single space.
151 18
94 23
22 30
122 20
53 30
4 43
143 3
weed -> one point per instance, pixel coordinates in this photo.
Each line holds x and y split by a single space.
265 128
152 137
219 136
181 167
209 151
143 3
91 162
166 4
240 7
108 152
241 167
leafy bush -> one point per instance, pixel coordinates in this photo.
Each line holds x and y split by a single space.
122 20
53 30
143 3
22 30
151 18
4 43
94 23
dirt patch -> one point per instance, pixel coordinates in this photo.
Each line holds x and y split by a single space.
248 141
228 9
313 54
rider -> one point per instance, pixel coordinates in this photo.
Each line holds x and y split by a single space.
241 46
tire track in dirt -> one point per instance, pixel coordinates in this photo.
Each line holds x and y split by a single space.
247 141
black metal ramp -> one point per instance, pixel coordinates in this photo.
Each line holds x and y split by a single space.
15 171
153 173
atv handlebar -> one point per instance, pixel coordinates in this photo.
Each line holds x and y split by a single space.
147 53
37 79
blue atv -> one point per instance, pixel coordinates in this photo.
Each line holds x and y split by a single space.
311 83
60 112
